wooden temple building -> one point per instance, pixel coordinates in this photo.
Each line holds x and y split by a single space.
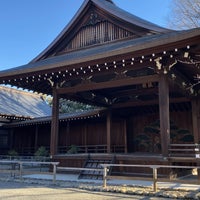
144 79
18 106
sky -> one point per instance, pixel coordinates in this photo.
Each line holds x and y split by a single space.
27 27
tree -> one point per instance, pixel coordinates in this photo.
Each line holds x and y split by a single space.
185 14
67 106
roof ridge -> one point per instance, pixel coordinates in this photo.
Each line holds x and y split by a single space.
109 7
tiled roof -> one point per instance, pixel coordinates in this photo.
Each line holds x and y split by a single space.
22 104
109 7
81 115
99 52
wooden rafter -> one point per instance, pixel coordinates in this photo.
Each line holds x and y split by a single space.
109 84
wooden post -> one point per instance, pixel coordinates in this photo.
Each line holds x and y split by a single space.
196 127
67 136
85 137
105 176
195 120
108 130
11 138
164 114
54 173
36 137
155 176
21 170
125 137
54 123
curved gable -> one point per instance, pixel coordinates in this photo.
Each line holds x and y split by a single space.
98 22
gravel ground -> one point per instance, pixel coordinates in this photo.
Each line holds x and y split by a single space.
30 189
22 191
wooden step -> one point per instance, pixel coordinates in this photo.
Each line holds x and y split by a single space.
93 164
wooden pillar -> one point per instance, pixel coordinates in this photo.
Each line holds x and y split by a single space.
196 126
85 137
164 114
125 136
67 142
36 138
108 131
11 139
195 120
54 123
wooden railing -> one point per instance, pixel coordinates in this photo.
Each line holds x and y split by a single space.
83 149
21 168
24 158
29 151
184 150
154 178
92 149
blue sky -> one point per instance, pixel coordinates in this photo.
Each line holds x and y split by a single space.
29 26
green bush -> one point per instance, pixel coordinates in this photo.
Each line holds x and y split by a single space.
73 149
41 152
12 153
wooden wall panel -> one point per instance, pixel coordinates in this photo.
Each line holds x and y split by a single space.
44 133
117 133
81 133
96 133
182 119
136 124
71 134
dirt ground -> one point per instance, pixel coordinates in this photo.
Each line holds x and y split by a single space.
22 191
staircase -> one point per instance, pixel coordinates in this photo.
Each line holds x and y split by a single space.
94 164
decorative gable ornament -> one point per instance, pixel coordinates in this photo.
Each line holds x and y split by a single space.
98 22
97 31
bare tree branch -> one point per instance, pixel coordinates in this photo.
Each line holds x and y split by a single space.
184 14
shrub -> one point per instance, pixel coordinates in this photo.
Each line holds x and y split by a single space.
73 149
12 153
41 152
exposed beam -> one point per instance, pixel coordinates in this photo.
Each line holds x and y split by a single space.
132 92
148 103
76 97
108 84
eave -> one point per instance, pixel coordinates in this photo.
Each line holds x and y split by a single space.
136 47
109 9
91 114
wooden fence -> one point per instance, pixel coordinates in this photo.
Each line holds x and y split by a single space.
21 168
154 178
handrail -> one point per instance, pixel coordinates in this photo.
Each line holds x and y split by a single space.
105 169
185 145
24 158
21 164
154 173
78 169
184 150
